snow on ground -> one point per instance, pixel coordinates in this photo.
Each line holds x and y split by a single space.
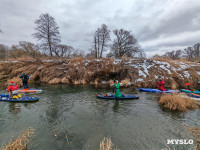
141 73
47 61
156 77
139 80
186 74
143 67
9 61
116 61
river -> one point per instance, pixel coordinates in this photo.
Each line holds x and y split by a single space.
71 117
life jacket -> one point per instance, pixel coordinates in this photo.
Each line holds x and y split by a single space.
12 88
25 77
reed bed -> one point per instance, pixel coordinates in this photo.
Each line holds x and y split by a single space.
178 102
21 142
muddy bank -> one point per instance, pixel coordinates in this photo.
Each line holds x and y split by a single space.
135 71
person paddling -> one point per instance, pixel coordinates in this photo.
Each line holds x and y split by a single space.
116 89
25 79
12 89
161 84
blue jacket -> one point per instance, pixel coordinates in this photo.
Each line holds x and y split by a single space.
24 77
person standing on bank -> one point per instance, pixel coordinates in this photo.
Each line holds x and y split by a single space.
25 79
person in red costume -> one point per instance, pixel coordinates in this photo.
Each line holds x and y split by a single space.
161 84
12 89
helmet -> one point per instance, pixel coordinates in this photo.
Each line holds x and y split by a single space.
12 83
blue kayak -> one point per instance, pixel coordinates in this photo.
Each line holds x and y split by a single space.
158 91
110 97
23 99
194 95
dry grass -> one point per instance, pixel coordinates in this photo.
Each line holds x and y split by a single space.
178 102
21 142
79 70
17 81
126 82
106 144
193 133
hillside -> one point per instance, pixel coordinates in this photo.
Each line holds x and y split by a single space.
135 71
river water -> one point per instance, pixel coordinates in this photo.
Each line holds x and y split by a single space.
71 117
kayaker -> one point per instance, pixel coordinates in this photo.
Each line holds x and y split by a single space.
116 89
161 84
198 83
24 78
12 89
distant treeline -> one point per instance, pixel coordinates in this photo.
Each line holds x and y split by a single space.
187 53
49 43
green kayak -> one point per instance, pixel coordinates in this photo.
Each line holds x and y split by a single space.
189 91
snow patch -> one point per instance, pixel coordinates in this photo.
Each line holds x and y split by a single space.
187 75
139 80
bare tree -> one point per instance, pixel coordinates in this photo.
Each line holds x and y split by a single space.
174 54
101 39
3 51
47 31
63 50
188 52
78 53
124 44
24 49
196 50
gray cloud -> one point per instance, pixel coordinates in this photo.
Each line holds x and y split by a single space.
159 25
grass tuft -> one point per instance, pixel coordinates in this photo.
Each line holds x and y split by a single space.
178 102
21 142
106 144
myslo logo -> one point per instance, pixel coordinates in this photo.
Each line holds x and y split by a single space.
180 141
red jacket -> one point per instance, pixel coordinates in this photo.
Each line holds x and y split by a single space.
160 83
12 88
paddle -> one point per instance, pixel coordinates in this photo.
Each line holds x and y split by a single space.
189 83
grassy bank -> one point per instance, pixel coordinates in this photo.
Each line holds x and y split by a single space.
135 71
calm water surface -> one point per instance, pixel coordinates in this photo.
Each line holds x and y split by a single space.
75 112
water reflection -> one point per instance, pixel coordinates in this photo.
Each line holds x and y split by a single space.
14 108
116 106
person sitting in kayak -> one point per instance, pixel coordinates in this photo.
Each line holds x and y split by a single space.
24 78
12 89
198 83
116 89
161 84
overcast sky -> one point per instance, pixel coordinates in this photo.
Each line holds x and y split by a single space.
159 25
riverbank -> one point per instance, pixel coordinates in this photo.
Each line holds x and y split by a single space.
131 72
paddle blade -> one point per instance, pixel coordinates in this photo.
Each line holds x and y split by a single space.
187 83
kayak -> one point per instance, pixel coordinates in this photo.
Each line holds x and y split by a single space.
190 91
112 96
23 99
29 91
158 91
194 95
